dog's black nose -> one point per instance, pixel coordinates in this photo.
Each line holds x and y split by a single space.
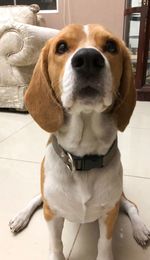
88 61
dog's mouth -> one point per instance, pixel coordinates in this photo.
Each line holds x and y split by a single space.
88 92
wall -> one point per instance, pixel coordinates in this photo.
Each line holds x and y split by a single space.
107 12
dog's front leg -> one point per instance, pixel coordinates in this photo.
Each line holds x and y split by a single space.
106 225
55 227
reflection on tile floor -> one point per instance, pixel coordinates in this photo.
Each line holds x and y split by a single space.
22 145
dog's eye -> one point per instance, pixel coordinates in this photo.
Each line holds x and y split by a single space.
61 47
111 46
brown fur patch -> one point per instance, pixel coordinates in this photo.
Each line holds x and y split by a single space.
123 81
111 219
42 101
43 96
48 214
98 36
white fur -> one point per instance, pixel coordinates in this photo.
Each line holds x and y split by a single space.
55 227
104 245
22 219
90 133
83 196
140 232
86 29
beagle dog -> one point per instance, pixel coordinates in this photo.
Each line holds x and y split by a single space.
82 92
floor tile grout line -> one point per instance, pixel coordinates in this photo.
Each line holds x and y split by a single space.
15 132
69 255
19 160
138 177
141 128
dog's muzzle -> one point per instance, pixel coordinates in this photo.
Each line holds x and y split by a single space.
88 64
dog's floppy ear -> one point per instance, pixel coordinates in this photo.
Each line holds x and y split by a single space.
126 97
40 98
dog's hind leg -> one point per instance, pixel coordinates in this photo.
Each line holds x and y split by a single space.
21 220
140 232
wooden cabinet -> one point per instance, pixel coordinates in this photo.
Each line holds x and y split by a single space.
137 38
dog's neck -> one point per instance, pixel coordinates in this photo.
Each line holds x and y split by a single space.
87 133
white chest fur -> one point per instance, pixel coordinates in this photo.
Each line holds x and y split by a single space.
90 133
81 197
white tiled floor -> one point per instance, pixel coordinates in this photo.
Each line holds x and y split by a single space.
22 145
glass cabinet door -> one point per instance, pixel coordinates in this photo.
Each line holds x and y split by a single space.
132 36
137 38
134 3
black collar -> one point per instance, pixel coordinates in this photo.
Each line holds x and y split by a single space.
87 162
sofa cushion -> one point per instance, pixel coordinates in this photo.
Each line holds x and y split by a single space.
19 13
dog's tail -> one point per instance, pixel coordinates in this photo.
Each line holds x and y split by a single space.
21 220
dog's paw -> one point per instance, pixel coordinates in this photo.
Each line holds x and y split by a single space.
19 222
56 256
141 234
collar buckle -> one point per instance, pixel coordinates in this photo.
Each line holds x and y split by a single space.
70 162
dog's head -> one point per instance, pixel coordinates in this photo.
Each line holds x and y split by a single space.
83 68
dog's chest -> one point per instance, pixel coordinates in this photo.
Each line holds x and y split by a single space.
81 197
84 135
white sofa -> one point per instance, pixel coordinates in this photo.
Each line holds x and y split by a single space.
20 45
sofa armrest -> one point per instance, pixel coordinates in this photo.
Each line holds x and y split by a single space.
20 44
